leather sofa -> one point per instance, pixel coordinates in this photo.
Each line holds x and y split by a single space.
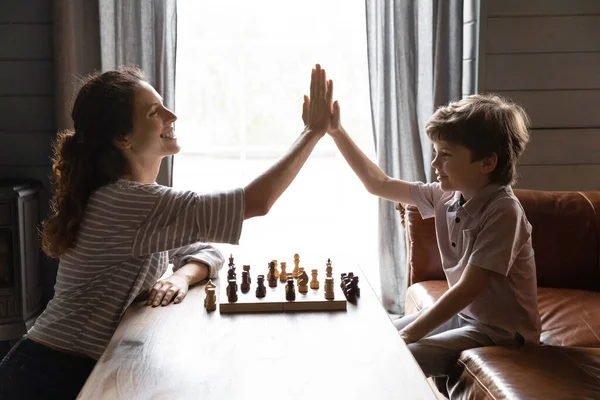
566 241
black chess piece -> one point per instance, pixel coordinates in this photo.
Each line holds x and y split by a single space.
231 260
290 290
247 268
272 277
232 291
342 279
347 279
261 291
352 291
245 286
231 273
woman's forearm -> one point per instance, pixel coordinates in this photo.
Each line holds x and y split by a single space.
193 272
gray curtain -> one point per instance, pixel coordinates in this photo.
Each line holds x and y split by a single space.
415 65
94 35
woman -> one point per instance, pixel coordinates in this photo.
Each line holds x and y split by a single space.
115 230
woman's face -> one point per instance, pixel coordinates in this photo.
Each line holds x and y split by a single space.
153 136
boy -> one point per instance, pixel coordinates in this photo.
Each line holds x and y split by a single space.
482 232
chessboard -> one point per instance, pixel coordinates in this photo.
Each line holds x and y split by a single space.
275 299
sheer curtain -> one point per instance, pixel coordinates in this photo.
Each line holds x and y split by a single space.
415 65
242 70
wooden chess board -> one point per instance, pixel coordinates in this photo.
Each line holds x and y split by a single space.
275 301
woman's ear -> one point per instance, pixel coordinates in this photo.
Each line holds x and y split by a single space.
124 141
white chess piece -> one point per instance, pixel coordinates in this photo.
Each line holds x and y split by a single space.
283 273
314 283
329 293
210 302
209 285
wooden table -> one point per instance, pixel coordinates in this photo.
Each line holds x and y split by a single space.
183 352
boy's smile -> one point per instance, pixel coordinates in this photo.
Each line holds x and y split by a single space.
456 171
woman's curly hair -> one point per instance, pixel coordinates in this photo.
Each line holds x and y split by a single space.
87 158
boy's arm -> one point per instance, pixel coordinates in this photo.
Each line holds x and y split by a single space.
262 192
373 178
473 280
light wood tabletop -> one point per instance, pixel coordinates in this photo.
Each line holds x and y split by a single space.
182 352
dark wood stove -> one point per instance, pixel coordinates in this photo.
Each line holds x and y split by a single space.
20 256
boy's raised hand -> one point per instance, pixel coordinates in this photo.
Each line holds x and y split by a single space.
316 110
335 125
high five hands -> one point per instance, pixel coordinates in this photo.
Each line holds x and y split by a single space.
318 112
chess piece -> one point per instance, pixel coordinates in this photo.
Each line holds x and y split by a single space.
290 290
245 286
231 260
283 274
296 265
231 275
302 281
328 268
232 291
276 268
210 301
314 283
352 291
272 276
329 294
209 285
247 269
342 279
261 290
348 279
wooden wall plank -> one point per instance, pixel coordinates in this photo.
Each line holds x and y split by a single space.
23 11
543 71
22 41
26 148
559 108
560 177
27 113
543 34
26 77
562 146
503 8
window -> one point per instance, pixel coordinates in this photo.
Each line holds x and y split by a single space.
242 70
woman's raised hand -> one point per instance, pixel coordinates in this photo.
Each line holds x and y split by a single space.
316 110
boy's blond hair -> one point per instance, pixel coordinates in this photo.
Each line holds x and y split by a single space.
485 124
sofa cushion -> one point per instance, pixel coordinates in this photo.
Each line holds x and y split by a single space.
569 317
533 372
423 294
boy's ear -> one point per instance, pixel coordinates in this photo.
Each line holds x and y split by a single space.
489 163
124 141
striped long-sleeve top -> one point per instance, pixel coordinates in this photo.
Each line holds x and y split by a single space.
128 235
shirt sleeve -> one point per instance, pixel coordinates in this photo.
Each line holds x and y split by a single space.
202 252
425 196
180 218
503 233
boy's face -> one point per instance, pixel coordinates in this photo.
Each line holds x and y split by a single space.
456 172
